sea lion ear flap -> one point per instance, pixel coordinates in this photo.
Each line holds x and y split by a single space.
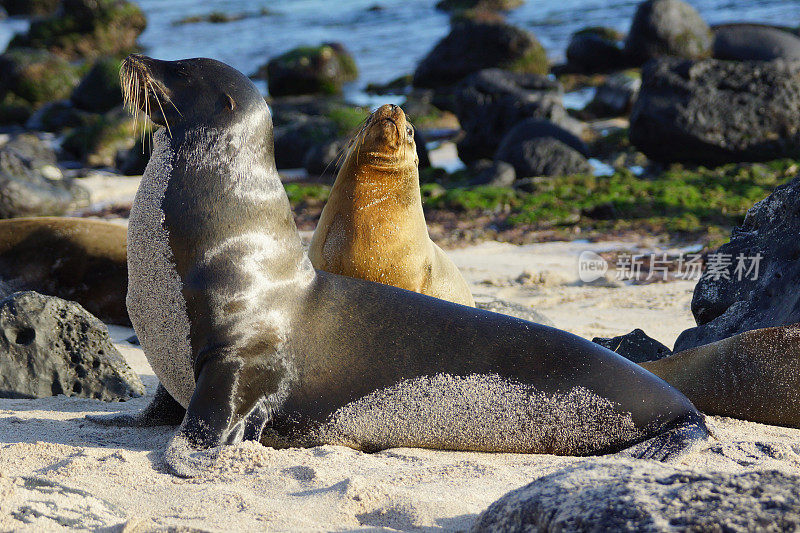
230 103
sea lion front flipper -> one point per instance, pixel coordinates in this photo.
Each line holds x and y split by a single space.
225 408
687 434
163 410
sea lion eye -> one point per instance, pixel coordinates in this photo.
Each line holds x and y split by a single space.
410 134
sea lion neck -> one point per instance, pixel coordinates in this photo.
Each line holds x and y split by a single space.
248 197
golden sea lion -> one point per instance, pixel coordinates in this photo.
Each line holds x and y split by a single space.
754 375
373 226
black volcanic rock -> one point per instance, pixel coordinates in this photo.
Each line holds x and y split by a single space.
667 28
491 102
724 305
713 112
50 346
635 346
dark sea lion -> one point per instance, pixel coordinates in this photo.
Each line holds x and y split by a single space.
243 332
373 227
754 375
75 259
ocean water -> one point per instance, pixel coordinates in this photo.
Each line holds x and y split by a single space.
386 42
389 42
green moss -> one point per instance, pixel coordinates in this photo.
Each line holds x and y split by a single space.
301 192
87 29
697 201
98 143
348 119
13 110
310 70
533 62
37 76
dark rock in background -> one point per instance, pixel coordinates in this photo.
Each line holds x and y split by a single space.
36 76
294 140
476 45
134 161
616 95
724 307
27 187
489 5
58 116
102 139
324 159
50 346
30 7
609 495
754 42
635 346
36 153
309 70
99 91
713 112
667 28
594 50
491 102
422 149
492 173
543 156
86 28
540 148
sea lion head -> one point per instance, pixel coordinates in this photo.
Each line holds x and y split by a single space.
191 93
385 141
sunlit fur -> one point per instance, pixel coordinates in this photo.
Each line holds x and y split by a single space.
243 332
373 226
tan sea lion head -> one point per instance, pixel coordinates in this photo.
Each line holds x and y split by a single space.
383 147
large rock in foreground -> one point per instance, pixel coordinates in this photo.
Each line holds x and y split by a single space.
609 495
491 102
667 28
50 346
765 292
714 112
474 45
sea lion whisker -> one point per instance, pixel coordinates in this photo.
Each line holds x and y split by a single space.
166 122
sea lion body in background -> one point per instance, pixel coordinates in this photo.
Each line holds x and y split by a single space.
754 375
244 333
373 226
75 259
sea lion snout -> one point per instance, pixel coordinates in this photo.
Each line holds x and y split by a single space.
143 88
391 126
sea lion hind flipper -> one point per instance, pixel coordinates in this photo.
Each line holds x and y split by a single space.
163 410
684 436
221 411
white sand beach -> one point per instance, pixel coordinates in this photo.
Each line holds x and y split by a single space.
60 472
